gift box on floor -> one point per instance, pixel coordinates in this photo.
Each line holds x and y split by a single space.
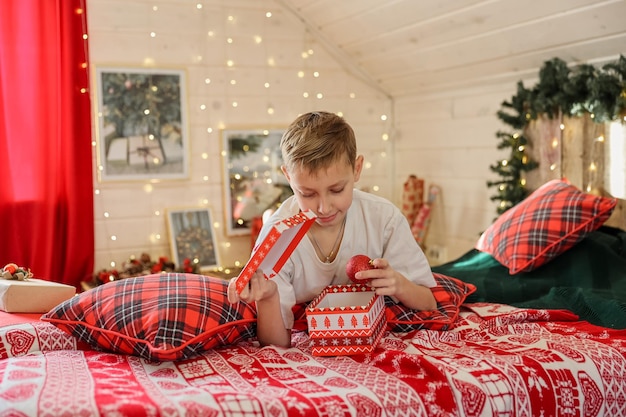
32 295
345 320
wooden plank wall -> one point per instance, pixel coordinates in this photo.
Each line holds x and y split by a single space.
572 148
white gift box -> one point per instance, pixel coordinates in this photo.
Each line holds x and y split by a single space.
345 320
32 295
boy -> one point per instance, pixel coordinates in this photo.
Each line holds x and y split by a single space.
322 166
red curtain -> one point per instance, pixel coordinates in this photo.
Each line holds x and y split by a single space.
46 180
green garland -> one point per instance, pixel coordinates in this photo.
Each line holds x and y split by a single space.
561 90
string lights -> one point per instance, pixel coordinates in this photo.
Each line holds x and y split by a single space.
229 86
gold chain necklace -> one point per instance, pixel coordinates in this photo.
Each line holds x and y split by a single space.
335 245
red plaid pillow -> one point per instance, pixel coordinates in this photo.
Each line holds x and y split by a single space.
450 293
547 223
158 317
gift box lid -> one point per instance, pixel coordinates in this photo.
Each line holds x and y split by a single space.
273 251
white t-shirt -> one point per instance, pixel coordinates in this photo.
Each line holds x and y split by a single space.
374 227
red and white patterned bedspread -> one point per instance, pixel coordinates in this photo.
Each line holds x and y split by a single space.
498 361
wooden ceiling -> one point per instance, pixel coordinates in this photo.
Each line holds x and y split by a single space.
415 47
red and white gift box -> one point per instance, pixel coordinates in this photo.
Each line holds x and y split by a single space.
345 320
271 254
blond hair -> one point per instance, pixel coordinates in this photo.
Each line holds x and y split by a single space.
316 140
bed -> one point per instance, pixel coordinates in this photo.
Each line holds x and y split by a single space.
550 341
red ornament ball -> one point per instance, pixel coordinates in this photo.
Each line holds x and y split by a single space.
359 263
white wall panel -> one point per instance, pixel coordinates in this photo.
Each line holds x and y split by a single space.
196 40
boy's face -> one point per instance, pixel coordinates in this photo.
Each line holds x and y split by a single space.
327 192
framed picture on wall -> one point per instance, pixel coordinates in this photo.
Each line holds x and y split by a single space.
141 124
192 237
253 181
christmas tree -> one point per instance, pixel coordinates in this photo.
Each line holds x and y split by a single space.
561 90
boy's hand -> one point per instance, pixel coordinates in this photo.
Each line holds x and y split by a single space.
258 289
382 278
387 281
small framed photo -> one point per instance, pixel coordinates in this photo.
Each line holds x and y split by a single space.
253 181
192 237
142 127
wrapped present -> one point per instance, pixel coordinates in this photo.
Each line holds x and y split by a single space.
420 225
412 197
32 295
